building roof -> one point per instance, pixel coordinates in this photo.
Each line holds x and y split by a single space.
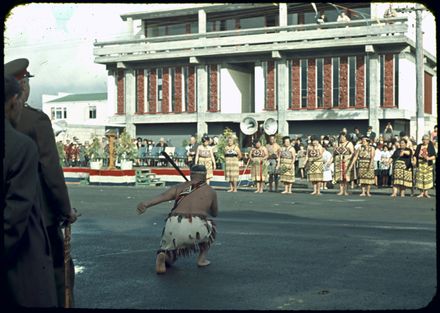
208 8
82 97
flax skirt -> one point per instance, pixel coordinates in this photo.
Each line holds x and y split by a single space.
424 176
401 175
316 171
231 169
259 170
288 171
366 172
208 164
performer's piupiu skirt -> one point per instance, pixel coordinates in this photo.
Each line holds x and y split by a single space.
183 234
366 172
315 170
424 175
288 171
207 162
341 165
232 169
259 169
401 175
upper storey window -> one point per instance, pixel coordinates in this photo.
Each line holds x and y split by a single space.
171 26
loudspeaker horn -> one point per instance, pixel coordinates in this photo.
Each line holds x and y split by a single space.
249 125
270 126
59 127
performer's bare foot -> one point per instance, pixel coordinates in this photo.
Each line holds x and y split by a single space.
368 195
427 196
393 195
201 260
339 194
256 191
362 195
346 194
420 195
313 193
160 263
230 190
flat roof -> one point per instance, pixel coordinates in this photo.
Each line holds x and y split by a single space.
208 8
82 97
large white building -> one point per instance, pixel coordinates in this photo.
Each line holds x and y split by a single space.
86 115
201 69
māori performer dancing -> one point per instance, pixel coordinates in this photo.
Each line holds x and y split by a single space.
315 164
273 150
232 169
342 156
425 155
286 166
365 155
258 156
205 157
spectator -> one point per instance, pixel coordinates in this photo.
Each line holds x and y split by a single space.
27 265
321 18
371 134
388 132
191 151
343 17
327 174
301 155
162 144
385 167
355 136
434 134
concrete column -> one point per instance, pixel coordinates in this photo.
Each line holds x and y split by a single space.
283 14
282 96
202 22
130 98
419 76
130 26
111 93
202 98
373 114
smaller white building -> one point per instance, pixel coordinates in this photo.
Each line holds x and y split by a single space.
86 115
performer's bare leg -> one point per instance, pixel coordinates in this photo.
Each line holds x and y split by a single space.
270 183
315 184
231 187
394 194
275 178
201 259
160 263
318 188
402 192
368 190
363 194
234 186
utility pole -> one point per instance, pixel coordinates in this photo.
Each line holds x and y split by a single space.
420 71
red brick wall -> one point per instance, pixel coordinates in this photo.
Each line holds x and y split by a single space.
296 92
388 81
120 92
311 84
327 83
165 90
178 90
191 89
360 82
343 83
152 105
213 92
270 86
140 91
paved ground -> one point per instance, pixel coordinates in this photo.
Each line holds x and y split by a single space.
273 251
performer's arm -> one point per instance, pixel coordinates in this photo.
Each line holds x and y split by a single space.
196 161
240 156
168 195
212 158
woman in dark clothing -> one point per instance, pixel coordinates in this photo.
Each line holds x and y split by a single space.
402 169
424 155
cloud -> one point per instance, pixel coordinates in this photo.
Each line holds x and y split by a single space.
58 41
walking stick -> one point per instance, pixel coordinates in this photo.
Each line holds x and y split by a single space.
247 164
68 298
168 158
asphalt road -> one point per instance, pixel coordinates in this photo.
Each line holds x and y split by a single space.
273 251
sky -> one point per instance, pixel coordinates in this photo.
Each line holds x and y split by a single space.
59 43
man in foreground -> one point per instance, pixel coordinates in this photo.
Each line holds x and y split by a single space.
28 274
187 227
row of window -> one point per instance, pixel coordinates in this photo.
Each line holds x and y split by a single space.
60 113
269 19
304 88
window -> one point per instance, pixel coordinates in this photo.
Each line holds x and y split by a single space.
159 90
252 22
396 80
186 86
292 19
382 78
60 113
367 80
304 65
335 62
92 112
320 82
352 81
172 87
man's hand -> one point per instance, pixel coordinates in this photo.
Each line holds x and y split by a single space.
72 217
141 207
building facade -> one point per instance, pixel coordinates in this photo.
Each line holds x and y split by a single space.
85 115
199 70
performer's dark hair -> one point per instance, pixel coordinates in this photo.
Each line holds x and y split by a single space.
286 137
